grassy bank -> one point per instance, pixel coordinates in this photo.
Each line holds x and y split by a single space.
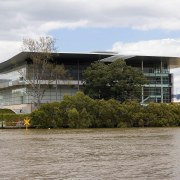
9 118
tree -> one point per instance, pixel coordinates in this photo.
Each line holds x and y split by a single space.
41 71
115 80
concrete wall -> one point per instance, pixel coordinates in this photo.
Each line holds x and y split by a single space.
20 109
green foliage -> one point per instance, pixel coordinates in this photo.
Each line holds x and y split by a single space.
106 113
6 111
12 119
85 119
46 116
162 114
115 80
80 111
132 114
83 105
73 116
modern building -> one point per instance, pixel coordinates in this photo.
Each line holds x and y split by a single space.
13 88
157 71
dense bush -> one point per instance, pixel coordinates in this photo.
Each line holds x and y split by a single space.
12 119
80 111
73 111
6 111
9 118
47 116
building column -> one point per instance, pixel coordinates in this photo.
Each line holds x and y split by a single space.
78 73
142 89
161 68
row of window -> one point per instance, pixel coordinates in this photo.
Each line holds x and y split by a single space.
154 94
19 96
156 70
157 80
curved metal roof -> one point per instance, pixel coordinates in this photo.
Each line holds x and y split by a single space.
173 62
23 56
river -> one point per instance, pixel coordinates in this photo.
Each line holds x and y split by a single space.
90 154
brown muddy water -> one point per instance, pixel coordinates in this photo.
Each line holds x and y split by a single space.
88 154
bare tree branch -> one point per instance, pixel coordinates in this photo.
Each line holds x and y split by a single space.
41 71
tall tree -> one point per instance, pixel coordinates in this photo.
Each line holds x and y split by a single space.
41 71
115 80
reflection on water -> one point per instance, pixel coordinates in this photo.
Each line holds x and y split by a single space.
152 153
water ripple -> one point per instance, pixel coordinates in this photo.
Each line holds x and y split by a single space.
152 153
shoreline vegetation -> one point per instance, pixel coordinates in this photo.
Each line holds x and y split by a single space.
81 111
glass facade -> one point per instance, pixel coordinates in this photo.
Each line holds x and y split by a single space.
157 71
14 89
11 86
159 84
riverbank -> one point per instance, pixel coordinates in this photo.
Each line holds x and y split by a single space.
81 111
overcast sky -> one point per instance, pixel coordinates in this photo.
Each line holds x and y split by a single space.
143 27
